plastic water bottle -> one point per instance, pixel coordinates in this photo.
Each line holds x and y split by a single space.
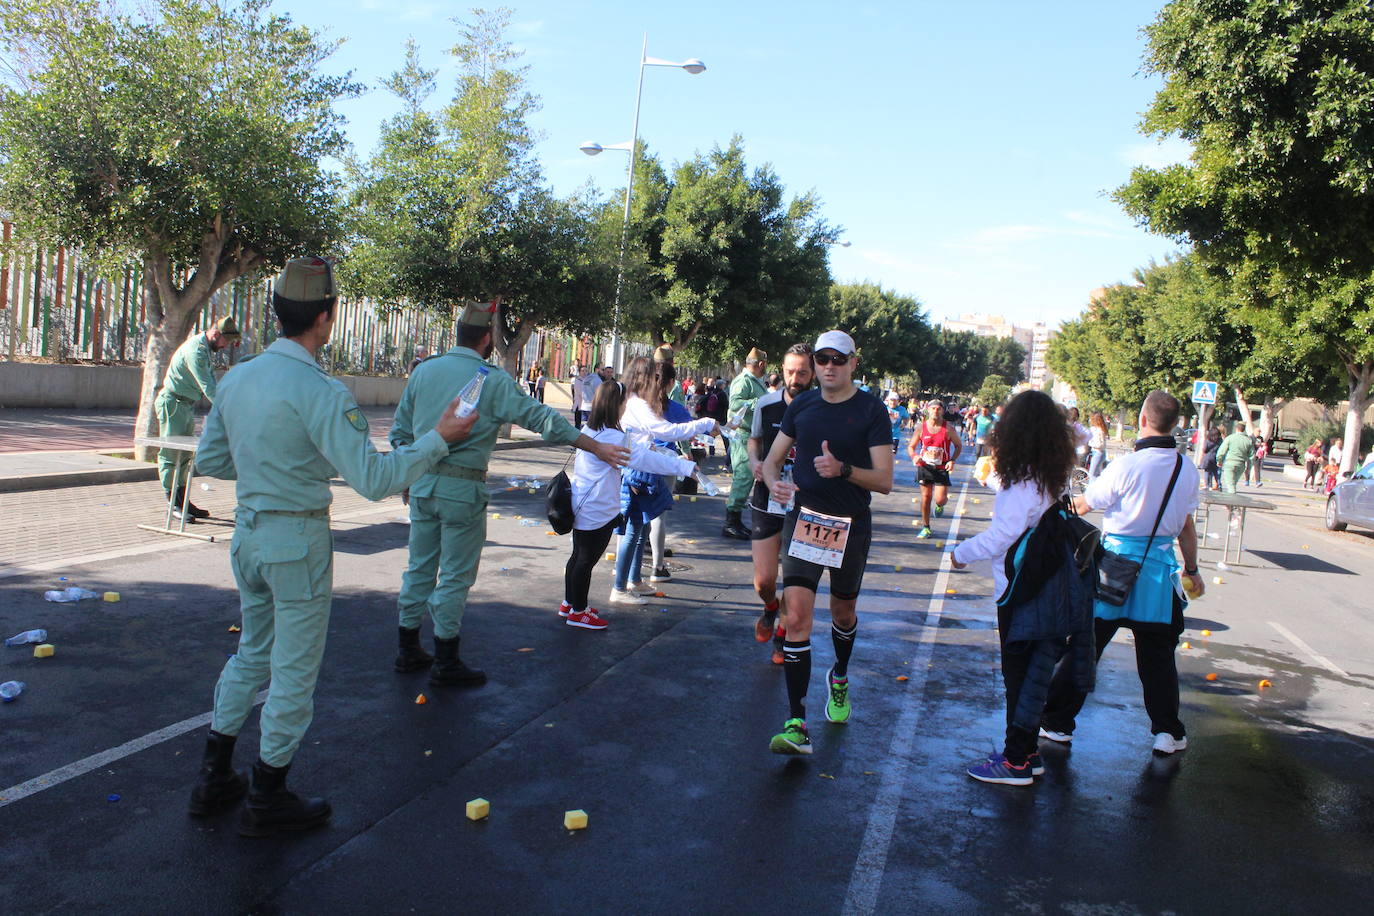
708 486
28 636
472 392
69 594
787 479
11 689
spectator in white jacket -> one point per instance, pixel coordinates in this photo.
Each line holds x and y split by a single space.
596 501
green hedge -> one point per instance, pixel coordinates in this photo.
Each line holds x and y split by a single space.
1326 430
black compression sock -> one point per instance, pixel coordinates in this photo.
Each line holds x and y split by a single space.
796 667
844 646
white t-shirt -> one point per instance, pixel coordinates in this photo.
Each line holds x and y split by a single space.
1130 489
1015 509
1097 438
596 485
1335 454
644 425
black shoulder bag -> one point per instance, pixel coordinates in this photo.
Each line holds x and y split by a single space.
560 506
1116 574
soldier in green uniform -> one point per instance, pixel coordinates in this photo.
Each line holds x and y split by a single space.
189 378
283 428
747 388
448 507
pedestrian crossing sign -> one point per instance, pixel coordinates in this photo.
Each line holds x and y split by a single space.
1204 392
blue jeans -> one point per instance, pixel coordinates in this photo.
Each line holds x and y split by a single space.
1095 463
630 552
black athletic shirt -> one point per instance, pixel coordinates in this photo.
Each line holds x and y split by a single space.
851 428
768 411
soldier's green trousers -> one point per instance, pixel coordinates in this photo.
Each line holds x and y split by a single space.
741 478
175 417
284 567
1231 474
446 538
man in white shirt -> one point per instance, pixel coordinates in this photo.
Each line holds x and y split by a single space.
1130 493
584 388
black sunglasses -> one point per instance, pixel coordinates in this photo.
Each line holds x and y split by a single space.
826 359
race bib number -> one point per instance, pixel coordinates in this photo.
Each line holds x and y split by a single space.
933 456
820 538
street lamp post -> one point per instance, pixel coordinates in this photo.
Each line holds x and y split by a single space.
591 148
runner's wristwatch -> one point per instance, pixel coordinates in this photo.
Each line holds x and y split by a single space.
845 470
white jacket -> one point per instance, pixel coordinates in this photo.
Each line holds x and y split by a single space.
596 485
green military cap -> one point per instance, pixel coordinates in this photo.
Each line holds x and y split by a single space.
756 356
479 314
663 354
227 327
306 280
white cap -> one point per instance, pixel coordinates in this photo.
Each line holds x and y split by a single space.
835 340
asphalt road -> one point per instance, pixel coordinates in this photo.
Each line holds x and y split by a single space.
658 728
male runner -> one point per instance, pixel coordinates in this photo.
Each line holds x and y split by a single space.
844 453
933 449
797 375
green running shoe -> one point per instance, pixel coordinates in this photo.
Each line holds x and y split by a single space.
939 510
837 707
925 532
793 740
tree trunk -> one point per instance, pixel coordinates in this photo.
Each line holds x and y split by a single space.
1361 377
163 340
1266 423
1204 417
1120 425
1244 407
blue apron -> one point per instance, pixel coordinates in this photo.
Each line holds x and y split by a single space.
1152 598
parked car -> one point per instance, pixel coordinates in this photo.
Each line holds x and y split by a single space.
1352 501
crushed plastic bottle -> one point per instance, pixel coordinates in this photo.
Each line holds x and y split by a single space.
529 523
708 485
69 594
515 482
11 689
472 392
28 636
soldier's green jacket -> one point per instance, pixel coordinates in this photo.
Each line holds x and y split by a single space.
744 391
436 382
282 427
189 374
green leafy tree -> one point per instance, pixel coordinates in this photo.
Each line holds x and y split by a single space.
891 331
1277 98
188 136
956 363
1006 359
993 392
452 206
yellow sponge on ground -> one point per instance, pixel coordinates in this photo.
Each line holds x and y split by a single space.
478 808
111 597
43 650
575 820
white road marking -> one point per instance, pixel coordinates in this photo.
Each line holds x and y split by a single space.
104 758
1311 652
867 877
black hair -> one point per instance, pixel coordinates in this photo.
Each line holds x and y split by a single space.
1032 443
799 349
470 335
607 405
297 317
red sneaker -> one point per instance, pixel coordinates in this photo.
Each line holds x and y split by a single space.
777 657
778 636
564 608
587 620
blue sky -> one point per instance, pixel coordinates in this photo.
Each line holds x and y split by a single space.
966 149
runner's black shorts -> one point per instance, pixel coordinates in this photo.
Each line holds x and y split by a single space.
846 581
764 525
931 476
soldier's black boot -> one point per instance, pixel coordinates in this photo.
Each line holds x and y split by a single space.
192 510
449 669
734 527
272 808
217 786
412 656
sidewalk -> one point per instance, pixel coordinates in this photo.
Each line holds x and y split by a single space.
46 449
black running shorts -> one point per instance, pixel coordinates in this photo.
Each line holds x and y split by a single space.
846 581
926 477
763 525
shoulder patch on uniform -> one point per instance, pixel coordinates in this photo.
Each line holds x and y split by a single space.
355 416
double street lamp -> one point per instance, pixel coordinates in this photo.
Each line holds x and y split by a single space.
592 148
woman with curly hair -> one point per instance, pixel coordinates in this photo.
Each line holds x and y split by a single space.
1033 452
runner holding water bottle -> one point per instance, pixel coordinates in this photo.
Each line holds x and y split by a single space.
843 446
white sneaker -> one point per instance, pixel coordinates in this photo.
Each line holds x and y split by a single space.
625 596
1166 743
1056 737
639 586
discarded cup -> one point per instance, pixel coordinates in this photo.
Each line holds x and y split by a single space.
26 637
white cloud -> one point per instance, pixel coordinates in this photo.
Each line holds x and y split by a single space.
1167 152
